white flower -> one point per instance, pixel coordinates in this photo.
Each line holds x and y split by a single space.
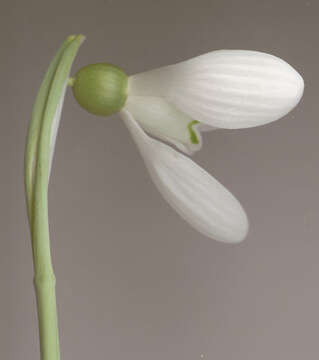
223 89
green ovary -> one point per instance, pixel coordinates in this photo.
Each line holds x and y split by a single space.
101 89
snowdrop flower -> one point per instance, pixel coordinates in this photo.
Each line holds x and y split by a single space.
173 104
227 89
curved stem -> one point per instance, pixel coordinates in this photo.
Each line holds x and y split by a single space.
37 167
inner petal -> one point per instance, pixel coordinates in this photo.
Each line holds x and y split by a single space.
163 120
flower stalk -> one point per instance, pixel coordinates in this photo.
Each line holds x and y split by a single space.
38 157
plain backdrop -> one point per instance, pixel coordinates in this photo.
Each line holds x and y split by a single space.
134 281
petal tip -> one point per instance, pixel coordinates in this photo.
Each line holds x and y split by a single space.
242 231
297 89
238 227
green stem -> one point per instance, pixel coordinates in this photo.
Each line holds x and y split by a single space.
37 168
47 314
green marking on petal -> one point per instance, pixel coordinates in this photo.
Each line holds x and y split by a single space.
192 134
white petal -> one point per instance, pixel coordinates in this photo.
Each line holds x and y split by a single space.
55 126
164 121
196 196
226 88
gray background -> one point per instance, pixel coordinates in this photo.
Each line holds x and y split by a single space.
133 280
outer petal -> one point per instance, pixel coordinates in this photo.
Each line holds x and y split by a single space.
226 88
196 196
164 121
